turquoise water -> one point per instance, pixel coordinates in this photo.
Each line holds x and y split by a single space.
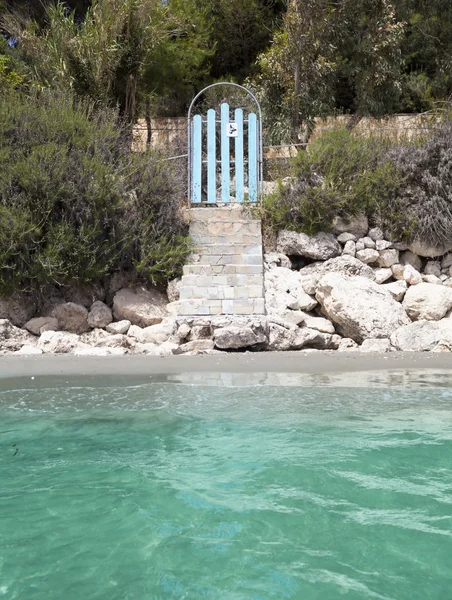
174 489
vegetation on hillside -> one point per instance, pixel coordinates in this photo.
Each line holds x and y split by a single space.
75 203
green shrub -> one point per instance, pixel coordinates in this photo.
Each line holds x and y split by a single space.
426 196
75 202
340 175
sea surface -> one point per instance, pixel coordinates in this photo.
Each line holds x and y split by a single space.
227 487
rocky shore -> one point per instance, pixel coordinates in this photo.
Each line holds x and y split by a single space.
352 290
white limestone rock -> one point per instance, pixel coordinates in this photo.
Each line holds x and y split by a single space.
29 350
277 259
72 317
140 306
319 324
349 249
305 301
12 338
376 234
382 275
358 225
359 308
158 334
424 336
397 271
321 246
345 237
59 342
433 267
119 327
227 338
446 262
432 279
368 255
346 265
368 242
411 276
397 289
376 345
173 289
383 245
347 345
424 249
388 257
99 315
427 302
38 325
195 347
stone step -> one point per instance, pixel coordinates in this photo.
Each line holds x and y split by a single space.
199 307
225 228
221 292
201 240
232 248
228 280
222 269
228 259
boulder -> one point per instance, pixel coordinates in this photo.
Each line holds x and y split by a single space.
346 265
38 325
119 327
433 267
195 347
347 345
446 263
29 350
140 306
411 276
227 338
12 338
359 307
432 279
321 246
349 249
158 334
409 258
388 257
345 237
18 308
319 324
427 302
59 342
277 259
358 225
72 317
397 289
383 245
424 336
99 315
283 337
173 289
376 234
427 250
368 242
368 255
376 345
382 275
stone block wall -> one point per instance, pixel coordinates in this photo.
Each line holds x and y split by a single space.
225 273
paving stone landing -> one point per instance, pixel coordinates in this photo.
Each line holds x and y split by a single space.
226 273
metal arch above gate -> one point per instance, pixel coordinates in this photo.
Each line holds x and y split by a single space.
209 178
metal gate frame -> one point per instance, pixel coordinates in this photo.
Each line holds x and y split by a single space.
259 141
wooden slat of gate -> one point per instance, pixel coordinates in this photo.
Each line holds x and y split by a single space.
197 159
225 158
252 158
239 173
211 157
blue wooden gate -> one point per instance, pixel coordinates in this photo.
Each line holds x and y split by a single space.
224 147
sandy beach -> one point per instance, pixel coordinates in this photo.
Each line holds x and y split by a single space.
262 362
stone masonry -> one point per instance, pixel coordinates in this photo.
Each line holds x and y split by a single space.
225 275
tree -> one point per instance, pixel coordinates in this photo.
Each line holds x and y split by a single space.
322 45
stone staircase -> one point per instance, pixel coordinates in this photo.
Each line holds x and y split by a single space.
225 275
